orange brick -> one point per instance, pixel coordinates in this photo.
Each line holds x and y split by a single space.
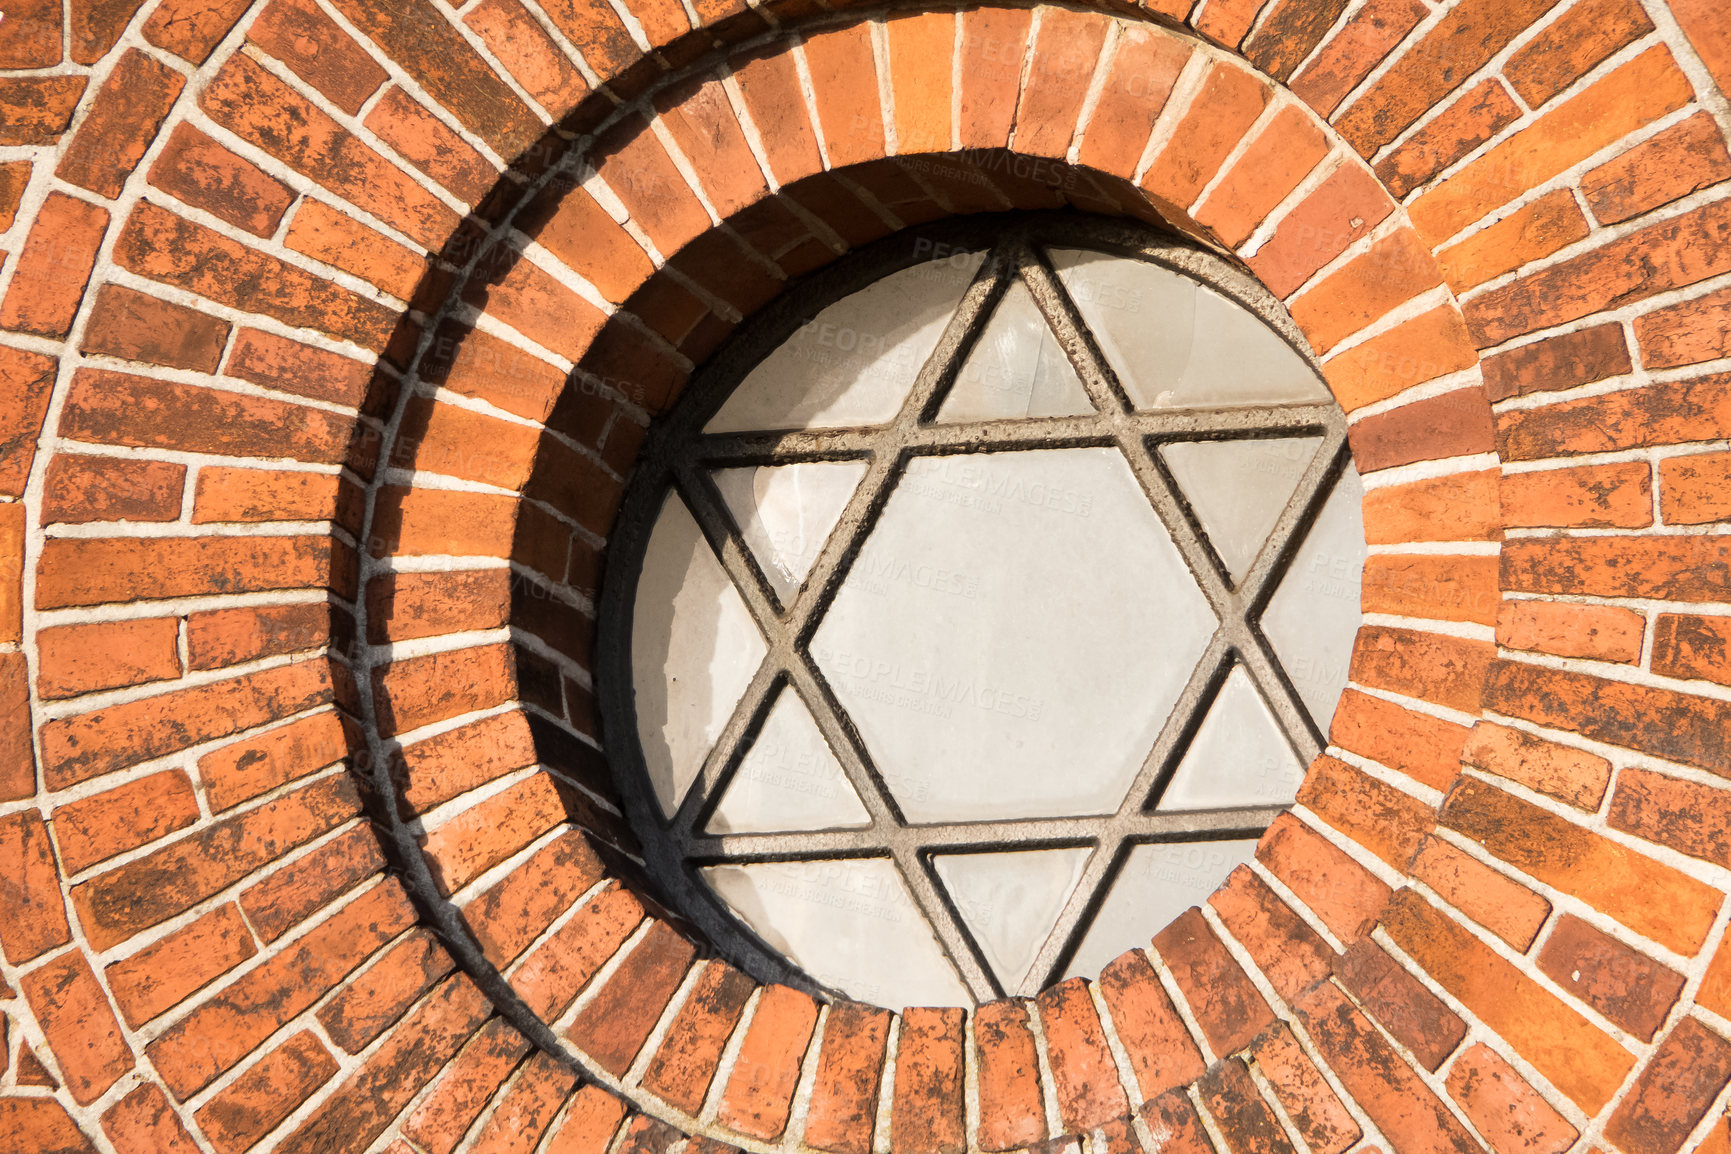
32 910
165 973
48 280
921 49
80 489
424 141
1431 667
231 494
1379 817
1344 60
120 123
38 108
252 1105
1682 159
492 830
1437 587
1593 496
25 380
1084 1073
73 1013
441 1119
336 238
1474 117
1635 94
443 521
1506 1110
299 34
1560 362
1686 333
1539 229
1012 1112
1571 775
550 976
75 659
1230 101
613 1027
1457 507
252 767
529 54
1425 748
994 44
1431 345
145 1120
191 29
1156 1039
1598 632
1506 908
1144 70
224 637
1281 156
1343 894
1689 646
1394 270
275 362
1573 46
689 1056
375 999
293 891
927 1111
96 828
1066 54
760 1090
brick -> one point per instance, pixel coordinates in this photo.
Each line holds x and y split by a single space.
1382 819
1344 60
1230 101
145 1122
275 362
96 828
1282 155
921 49
191 29
1319 1115
490 831
1692 488
1533 232
1452 50
224 637
48 280
1393 271
370 1003
1682 815
31 1071
439 768
31 38
96 25
167 972
1429 346
690 1054
1561 362
529 55
1629 988
1574 45
38 108
1670 165
590 1124
14 180
1671 254
1675 1091
1290 32
1598 497
1225 1003
25 381
702 122
1504 1108
1233 1100
1653 414
34 918
79 489
527 1107
645 1135
294 891
1570 775
1677 568
927 1113
122 409
549 978
424 141
42 1125
1688 646
123 118
1431 667
80 1028
1154 1037
1137 86
256 1102
76 659
425 522
1474 117
161 246
844 1098
1375 1076
1596 632
1412 1015
1614 879
17 751
418 691
1343 894
1058 75
219 1033
335 238
136 327
254 495
1455 507
407 1060
1453 424
401 606
12 529
1012 1111
442 1118
1686 333
1173 1124
1291 955
612 1028
1084 1073
994 45
1504 907
1706 26
541 308
1425 748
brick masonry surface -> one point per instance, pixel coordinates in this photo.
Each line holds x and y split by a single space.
329 331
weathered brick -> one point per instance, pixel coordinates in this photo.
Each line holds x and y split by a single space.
1431 667
1345 895
38 108
1229 102
167 972
1344 60
1560 362
32 37
1596 496
1452 424
1571 775
1281 156
1290 32
191 29
1058 74
145 1122
25 381
1692 489
1154 1037
1623 984
1572 46
418 691
74 659
48 280
1412 1015
1291 955
1649 897
527 1107
1384 820
42 1125
1597 632
592 1121
17 750
549 978
1233 1100
529 55
1504 907
927 1116
122 120
1682 815
1506 1110
463 1089
424 141
1321 1118
994 44
34 918
1682 159
1084 1073
1531 233
94 829
492 830
1225 1003
611 1029
1424 747
1143 72
255 1103
844 1098
292 892
1672 568
1474 117
80 1028
337 239
1688 646
275 362
1431 345
1393 271
1674 1092
1012 1111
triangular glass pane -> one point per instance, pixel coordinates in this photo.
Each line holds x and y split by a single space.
1314 616
849 924
694 649
854 363
786 512
1157 883
1011 901
1238 489
1238 757
1175 344
1016 369
789 780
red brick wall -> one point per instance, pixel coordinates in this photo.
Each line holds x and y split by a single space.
328 333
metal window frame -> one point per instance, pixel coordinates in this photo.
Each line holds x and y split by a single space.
678 455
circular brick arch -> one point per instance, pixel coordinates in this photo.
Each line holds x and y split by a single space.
308 838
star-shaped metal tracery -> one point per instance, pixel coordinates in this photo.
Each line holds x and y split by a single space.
681 455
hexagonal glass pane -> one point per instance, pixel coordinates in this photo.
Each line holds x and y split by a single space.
1013 635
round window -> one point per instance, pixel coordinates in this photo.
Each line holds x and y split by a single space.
978 607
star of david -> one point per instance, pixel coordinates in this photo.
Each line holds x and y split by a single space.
681 456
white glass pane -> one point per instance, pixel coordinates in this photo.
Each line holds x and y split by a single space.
1238 756
1176 344
1013 635
854 363
785 513
1157 883
1016 369
1238 489
849 924
694 649
788 780
1314 615
1011 901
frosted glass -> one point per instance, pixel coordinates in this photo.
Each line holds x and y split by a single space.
1016 369
785 513
1176 344
1238 489
788 780
849 924
1157 883
1314 615
1238 756
1011 901
1013 635
854 363
694 649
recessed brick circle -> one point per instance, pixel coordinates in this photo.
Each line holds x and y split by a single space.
328 335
